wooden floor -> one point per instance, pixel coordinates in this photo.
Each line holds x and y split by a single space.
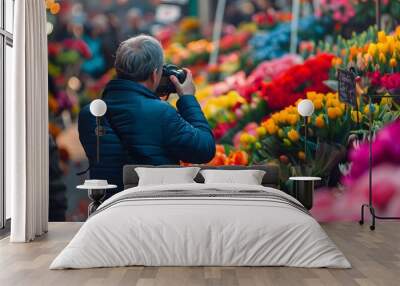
375 257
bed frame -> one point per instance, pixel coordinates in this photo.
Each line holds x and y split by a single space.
270 179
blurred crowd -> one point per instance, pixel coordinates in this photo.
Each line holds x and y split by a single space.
104 25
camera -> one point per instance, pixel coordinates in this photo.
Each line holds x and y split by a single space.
166 86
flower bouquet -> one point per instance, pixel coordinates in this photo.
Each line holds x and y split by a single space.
275 43
295 82
266 20
226 155
280 137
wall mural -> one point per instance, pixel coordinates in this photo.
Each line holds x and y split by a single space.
250 97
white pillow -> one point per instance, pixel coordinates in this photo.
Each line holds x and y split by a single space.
166 176
248 177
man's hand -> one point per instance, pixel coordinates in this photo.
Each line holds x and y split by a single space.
185 88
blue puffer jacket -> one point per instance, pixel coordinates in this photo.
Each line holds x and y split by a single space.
142 129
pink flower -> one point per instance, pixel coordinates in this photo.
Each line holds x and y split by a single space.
391 81
332 206
385 150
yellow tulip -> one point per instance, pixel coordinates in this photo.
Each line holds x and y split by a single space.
372 49
301 155
354 117
367 58
252 139
311 95
293 119
375 108
383 48
332 112
339 111
261 131
320 121
393 62
276 117
244 138
270 126
293 135
386 101
382 36
382 58
318 104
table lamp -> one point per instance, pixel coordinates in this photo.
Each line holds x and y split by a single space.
305 109
98 108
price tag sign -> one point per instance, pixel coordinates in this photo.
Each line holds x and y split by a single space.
347 87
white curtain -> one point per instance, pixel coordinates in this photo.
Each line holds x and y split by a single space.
27 124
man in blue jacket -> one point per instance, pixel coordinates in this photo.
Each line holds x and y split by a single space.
141 128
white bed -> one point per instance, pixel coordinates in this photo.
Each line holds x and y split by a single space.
249 226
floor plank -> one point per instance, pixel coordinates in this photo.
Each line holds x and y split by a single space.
375 257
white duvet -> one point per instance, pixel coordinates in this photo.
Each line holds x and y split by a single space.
202 231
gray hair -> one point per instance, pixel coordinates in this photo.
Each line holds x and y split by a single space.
138 57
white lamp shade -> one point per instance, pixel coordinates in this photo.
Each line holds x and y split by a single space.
98 107
305 107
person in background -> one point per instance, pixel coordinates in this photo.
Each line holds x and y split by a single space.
93 33
134 24
140 127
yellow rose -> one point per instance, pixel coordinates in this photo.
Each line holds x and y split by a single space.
293 135
320 121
